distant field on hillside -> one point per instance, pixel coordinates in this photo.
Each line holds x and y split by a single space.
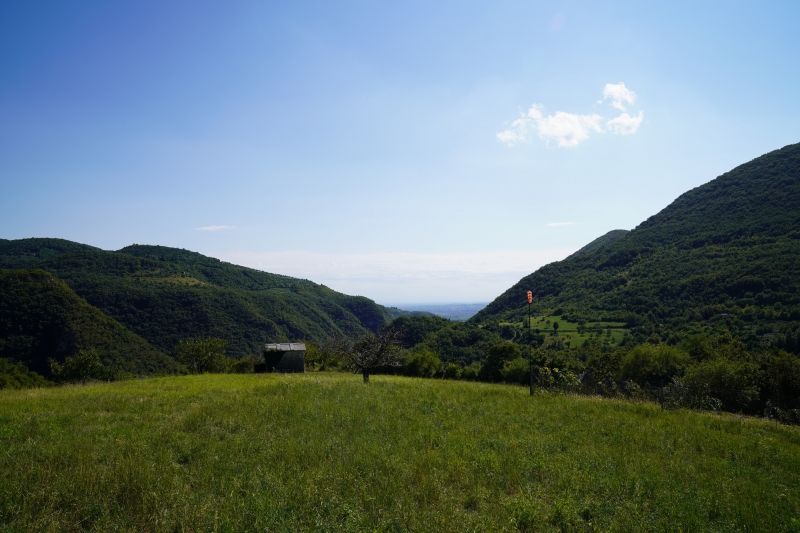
574 334
324 452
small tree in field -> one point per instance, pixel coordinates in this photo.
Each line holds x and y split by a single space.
370 352
202 355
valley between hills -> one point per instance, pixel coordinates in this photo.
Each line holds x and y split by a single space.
661 366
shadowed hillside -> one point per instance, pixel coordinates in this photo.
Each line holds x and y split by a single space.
41 318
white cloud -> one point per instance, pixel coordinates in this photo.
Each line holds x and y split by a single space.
618 94
214 228
625 124
555 224
567 129
513 136
407 277
570 129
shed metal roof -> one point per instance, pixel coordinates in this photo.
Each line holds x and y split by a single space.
287 347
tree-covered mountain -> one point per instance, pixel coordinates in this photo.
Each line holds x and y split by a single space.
42 318
165 295
724 254
608 238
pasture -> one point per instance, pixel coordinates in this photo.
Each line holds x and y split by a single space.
324 452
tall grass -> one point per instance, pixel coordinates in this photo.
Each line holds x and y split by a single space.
324 452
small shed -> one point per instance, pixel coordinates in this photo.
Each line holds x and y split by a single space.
285 357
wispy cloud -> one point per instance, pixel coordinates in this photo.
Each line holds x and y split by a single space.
570 129
214 228
625 124
555 224
618 94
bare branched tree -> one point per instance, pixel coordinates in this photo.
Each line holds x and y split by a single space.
370 352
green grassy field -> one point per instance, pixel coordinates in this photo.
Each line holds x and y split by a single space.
323 452
569 332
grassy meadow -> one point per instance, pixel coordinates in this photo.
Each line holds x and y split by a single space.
572 333
324 452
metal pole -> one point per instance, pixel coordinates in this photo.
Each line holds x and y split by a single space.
530 357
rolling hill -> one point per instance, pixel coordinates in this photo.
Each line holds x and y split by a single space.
721 255
166 294
42 318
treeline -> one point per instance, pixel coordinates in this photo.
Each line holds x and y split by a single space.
715 372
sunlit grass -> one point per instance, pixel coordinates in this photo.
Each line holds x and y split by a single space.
324 452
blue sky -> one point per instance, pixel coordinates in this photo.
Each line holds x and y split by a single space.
411 152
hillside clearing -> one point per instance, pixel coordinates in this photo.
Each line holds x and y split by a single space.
324 452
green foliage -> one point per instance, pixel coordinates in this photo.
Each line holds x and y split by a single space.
79 368
318 357
423 363
461 342
472 371
243 365
452 371
516 371
412 330
42 318
780 386
202 355
498 356
654 365
732 383
320 452
165 295
612 236
17 376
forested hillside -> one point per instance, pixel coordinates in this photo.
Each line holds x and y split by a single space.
612 236
166 294
42 318
721 256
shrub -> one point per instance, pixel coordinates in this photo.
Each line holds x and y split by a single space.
516 371
780 381
732 383
318 357
653 364
498 355
81 367
472 372
243 365
423 363
452 371
17 376
557 378
202 355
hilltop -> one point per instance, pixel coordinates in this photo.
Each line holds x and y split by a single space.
723 255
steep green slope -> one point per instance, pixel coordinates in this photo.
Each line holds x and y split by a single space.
612 236
722 254
166 294
41 317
